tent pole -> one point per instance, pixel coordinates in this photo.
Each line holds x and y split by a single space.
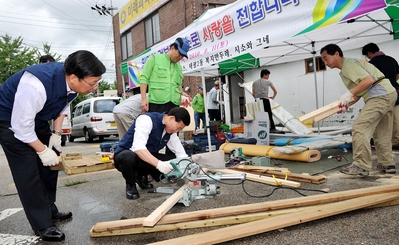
124 88
208 131
315 81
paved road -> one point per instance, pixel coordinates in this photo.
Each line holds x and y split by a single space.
102 198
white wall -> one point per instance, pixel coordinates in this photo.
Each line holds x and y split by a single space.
296 90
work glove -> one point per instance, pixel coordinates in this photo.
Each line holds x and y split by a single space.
344 100
164 167
48 157
55 141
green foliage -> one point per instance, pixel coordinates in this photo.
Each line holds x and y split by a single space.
14 56
103 85
114 86
46 50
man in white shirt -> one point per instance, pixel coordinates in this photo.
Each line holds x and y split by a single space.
29 99
138 153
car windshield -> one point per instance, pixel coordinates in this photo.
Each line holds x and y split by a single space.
101 106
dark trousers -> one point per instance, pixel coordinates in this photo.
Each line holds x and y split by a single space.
268 109
214 114
128 163
161 107
36 184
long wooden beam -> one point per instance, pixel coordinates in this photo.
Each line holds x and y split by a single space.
282 221
114 226
263 179
279 174
228 220
158 213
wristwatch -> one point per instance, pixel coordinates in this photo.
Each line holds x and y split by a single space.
57 132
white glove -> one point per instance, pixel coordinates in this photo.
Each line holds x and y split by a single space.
55 141
345 98
164 166
48 157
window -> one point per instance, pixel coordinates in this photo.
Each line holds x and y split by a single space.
102 106
126 44
152 30
86 108
309 66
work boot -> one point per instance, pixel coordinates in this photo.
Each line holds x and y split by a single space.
354 170
142 181
131 192
389 169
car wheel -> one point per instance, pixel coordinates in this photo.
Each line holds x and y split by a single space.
88 137
71 138
101 138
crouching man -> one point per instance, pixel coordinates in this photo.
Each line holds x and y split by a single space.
138 156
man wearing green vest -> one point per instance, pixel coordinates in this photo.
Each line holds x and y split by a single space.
162 75
199 108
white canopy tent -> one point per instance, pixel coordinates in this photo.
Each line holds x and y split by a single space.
287 31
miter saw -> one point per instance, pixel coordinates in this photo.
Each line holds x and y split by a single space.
205 185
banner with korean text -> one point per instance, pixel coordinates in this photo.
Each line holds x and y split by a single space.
247 25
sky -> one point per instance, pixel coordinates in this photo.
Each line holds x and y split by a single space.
66 25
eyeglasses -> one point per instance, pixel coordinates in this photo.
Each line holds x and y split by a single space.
92 86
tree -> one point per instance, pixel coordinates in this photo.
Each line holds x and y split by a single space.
14 56
46 50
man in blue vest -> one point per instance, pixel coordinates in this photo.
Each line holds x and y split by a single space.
28 100
138 153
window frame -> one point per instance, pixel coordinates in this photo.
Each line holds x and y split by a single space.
155 36
320 66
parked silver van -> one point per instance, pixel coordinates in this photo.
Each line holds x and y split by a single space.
93 118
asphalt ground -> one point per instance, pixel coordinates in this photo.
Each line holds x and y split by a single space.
102 198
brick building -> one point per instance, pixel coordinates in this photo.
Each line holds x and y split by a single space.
137 29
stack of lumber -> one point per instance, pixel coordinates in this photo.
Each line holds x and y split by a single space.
75 163
280 173
255 218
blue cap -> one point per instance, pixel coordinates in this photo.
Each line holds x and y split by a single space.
183 46
200 87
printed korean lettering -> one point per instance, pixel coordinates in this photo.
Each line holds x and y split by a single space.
216 29
194 40
207 33
256 10
227 25
272 5
141 4
243 17
135 7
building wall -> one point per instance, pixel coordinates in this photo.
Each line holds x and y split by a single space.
174 16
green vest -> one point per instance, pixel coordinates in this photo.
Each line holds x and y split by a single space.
198 104
165 81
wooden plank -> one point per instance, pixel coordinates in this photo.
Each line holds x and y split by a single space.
263 179
290 176
334 105
261 168
85 164
246 209
158 213
228 220
282 221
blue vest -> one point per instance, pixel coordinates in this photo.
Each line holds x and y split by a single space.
52 75
155 140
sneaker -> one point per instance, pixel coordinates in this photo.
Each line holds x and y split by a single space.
354 170
390 169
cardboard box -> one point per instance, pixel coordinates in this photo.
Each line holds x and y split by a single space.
258 128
